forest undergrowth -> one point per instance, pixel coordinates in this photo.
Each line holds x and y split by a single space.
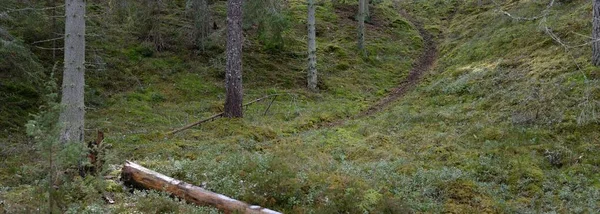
506 121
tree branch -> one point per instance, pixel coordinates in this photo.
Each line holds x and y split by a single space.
211 118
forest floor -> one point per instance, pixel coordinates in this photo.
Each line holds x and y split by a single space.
420 67
490 116
425 62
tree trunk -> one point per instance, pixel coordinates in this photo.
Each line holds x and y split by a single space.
312 47
139 176
233 72
596 34
361 25
367 11
72 116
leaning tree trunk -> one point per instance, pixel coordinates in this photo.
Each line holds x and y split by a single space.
233 72
72 116
361 25
596 34
312 47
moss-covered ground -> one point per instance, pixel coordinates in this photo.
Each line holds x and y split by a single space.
506 122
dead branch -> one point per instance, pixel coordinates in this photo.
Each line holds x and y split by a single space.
13 10
269 107
518 18
47 40
216 116
196 123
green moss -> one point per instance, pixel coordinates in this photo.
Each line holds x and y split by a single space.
464 196
526 180
477 134
113 186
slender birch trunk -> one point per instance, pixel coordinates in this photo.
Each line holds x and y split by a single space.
596 34
233 72
312 47
361 25
72 116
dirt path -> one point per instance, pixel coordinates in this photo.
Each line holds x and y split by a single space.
422 65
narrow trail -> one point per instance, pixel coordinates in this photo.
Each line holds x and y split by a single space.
420 67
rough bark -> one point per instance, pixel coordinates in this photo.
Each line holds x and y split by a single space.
361 25
312 47
596 34
139 176
233 72
72 115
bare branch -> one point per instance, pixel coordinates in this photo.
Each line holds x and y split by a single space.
219 115
43 48
8 10
518 18
48 40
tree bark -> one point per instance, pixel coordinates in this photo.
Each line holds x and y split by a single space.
361 25
312 47
72 116
233 72
596 34
139 176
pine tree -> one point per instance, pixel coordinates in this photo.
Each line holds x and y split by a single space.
233 69
269 17
72 116
200 13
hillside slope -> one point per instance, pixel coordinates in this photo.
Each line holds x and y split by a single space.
506 121
137 94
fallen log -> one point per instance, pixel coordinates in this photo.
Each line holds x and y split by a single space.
138 176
